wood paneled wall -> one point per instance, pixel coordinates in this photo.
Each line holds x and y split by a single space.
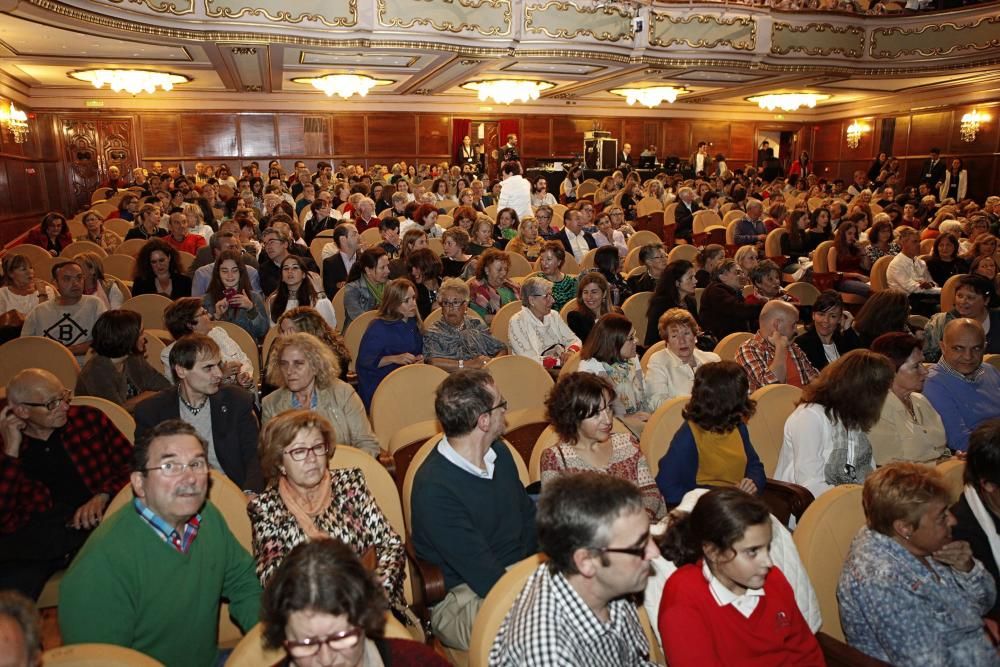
913 136
30 178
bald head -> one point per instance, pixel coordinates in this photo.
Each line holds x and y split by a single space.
32 385
963 345
778 315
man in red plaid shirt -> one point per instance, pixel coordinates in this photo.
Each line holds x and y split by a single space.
59 467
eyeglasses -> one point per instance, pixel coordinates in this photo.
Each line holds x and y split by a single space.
502 405
176 469
638 552
65 397
452 304
300 453
338 641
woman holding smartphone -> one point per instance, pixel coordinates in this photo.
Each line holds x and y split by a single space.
230 299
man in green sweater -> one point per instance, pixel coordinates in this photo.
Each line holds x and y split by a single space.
151 577
471 516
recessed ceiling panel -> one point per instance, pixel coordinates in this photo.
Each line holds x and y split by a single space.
896 84
55 75
709 75
569 69
376 61
24 38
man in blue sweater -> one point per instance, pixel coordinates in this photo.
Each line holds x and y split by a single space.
963 390
470 514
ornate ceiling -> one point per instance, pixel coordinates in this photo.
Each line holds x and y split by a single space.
244 53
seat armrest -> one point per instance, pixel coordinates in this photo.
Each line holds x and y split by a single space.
429 588
786 499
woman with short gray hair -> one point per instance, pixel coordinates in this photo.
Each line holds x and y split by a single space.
538 331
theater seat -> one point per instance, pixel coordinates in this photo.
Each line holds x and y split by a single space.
823 538
496 606
953 472
37 352
97 655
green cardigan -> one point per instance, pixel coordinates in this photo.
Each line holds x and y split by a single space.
128 587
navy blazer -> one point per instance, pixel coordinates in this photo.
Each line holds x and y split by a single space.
234 430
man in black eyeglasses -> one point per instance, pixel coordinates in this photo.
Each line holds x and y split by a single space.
471 514
59 466
576 608
152 577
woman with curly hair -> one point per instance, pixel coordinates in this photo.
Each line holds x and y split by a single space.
158 271
712 448
580 409
308 320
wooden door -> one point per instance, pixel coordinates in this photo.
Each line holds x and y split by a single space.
92 146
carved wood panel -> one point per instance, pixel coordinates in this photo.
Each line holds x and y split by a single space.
91 146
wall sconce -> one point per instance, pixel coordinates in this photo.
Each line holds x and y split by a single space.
854 132
970 125
15 121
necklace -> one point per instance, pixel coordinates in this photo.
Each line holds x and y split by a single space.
193 410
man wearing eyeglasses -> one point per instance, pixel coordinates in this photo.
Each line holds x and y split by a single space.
59 466
654 257
471 515
575 609
152 577
221 414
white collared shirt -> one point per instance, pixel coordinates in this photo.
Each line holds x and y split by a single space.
578 243
448 452
745 604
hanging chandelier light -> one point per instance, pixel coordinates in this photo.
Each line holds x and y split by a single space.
131 81
652 96
787 101
16 122
506 91
344 85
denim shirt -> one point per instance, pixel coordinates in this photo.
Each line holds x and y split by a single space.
893 608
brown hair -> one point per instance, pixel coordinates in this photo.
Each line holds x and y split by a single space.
279 432
901 491
576 397
607 338
852 389
488 257
720 398
392 298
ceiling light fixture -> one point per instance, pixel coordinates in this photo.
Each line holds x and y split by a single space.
506 91
854 132
651 96
132 81
344 85
970 125
787 101
15 121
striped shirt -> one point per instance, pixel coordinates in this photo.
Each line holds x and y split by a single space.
550 625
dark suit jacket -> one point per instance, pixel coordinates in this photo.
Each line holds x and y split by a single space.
180 286
685 220
723 311
564 239
969 530
936 172
810 343
234 430
334 272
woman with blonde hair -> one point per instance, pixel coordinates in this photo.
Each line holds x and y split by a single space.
306 373
97 284
306 501
528 242
308 320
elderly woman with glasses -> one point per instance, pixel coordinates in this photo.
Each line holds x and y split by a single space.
539 332
909 594
457 340
581 410
323 607
305 371
306 501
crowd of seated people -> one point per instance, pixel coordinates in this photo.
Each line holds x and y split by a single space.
880 390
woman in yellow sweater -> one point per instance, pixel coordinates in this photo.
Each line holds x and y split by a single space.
712 448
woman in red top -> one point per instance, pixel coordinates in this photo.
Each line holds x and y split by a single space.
52 234
727 604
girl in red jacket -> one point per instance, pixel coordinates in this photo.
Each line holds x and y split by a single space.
727 604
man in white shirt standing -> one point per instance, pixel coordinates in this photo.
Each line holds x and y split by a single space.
515 191
908 273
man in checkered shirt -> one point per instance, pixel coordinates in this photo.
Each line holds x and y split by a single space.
576 609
